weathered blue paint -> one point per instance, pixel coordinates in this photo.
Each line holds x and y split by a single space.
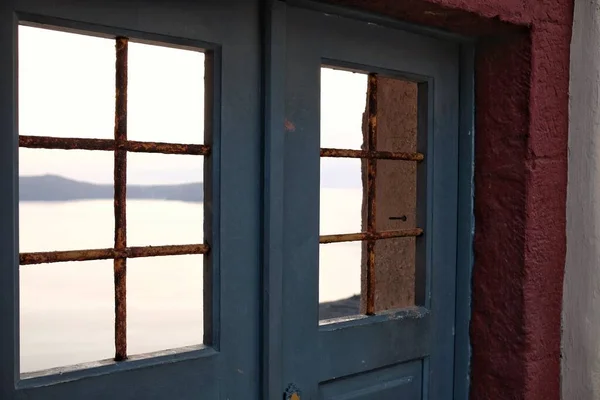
229 367
368 344
9 246
273 262
466 221
262 210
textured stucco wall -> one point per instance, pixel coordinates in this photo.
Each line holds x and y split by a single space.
581 301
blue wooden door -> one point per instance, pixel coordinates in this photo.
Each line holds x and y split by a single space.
377 351
224 364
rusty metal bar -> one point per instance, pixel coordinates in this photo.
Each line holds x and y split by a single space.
371 141
120 172
371 154
107 254
355 237
169 250
57 143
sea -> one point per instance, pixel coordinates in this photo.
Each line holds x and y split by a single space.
67 309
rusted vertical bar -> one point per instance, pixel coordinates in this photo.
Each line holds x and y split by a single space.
371 189
120 172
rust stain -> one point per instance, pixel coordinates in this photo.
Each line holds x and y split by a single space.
371 154
65 256
167 148
120 175
45 142
289 126
120 271
355 237
371 142
49 257
57 143
170 250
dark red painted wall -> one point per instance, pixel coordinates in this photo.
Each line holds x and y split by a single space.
522 82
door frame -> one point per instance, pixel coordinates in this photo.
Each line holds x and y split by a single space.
274 35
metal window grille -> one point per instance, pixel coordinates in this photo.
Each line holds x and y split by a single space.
120 146
371 154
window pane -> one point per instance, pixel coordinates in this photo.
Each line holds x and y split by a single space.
65 200
166 94
67 314
345 196
341 191
341 196
66 84
165 299
343 96
339 279
165 195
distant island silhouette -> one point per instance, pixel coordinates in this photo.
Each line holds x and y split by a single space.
58 188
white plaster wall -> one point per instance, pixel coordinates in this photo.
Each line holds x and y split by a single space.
581 304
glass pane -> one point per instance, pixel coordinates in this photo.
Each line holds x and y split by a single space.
344 196
67 89
339 279
343 97
65 200
341 196
166 94
164 199
164 303
67 314
66 84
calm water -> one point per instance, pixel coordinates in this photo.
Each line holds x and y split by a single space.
67 309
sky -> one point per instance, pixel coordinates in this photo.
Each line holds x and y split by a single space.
66 89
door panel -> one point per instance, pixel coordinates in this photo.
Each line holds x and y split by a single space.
227 365
382 342
401 381
419 338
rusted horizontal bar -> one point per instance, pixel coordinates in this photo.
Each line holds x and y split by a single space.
56 143
355 237
371 154
107 254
